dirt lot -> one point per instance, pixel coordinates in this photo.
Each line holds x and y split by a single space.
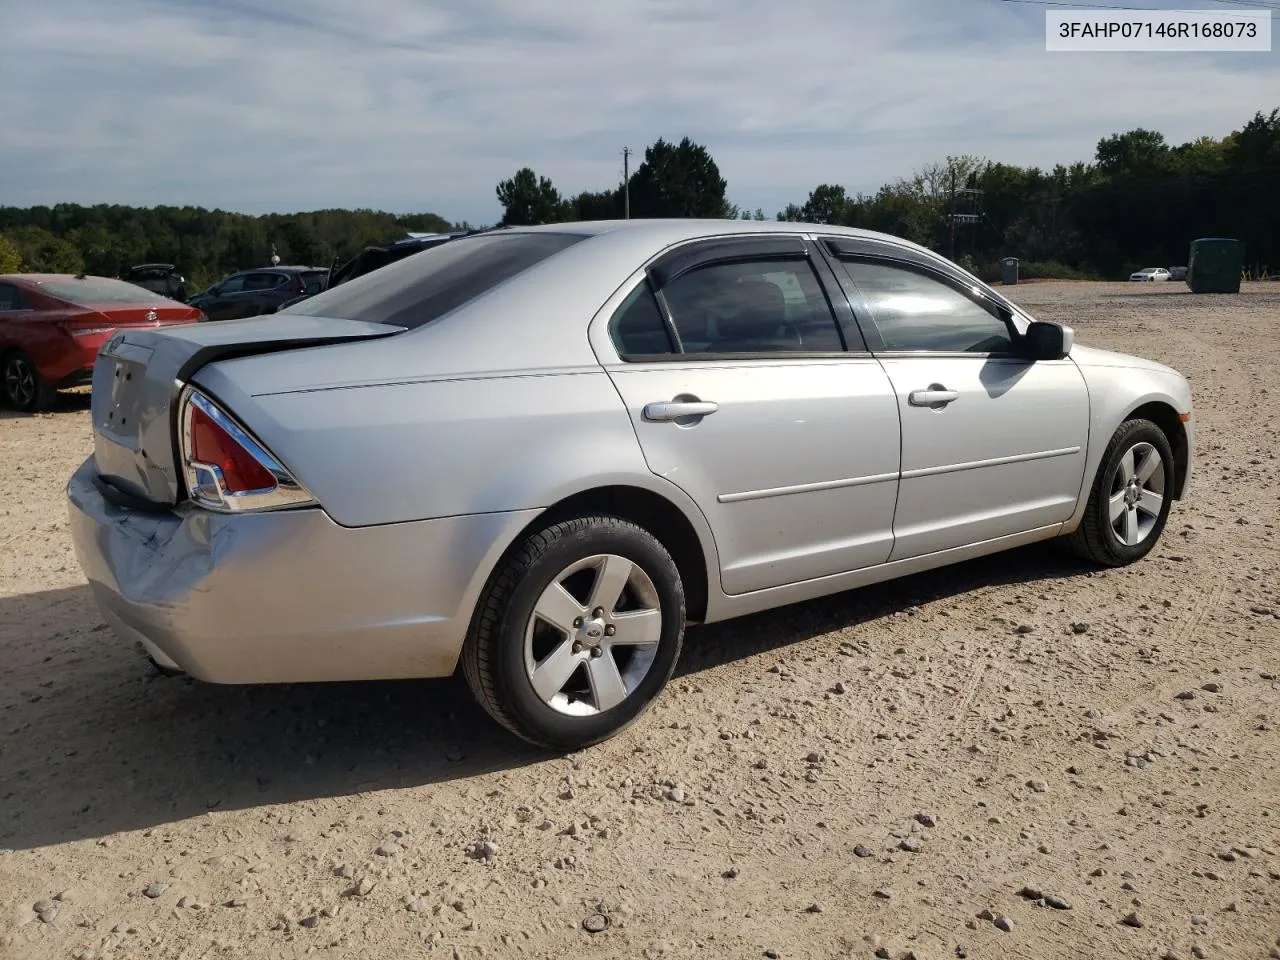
1106 739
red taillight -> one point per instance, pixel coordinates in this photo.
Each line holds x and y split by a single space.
211 444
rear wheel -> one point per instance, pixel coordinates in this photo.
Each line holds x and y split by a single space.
23 386
1130 498
577 632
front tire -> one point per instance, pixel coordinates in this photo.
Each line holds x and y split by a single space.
1130 499
24 388
577 632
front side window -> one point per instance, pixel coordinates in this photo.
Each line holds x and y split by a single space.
758 306
232 284
915 312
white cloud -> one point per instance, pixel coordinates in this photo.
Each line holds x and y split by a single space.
406 104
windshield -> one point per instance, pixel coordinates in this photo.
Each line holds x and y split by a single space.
98 290
418 289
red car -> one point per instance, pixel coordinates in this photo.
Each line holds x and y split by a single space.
51 326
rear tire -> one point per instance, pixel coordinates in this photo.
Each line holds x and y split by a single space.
1130 498
576 633
24 388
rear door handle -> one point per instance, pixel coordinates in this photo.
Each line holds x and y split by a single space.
668 410
936 396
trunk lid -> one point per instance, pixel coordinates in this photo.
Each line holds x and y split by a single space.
140 372
145 315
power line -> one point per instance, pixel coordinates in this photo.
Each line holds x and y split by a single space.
1254 4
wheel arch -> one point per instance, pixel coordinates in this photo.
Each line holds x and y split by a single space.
679 528
1114 401
1166 417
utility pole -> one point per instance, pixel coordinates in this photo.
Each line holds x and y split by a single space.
951 251
626 184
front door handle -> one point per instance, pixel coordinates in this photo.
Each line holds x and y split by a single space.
672 410
936 396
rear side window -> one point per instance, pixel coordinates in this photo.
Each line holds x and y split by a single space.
421 288
752 307
313 282
11 298
92 291
637 327
263 281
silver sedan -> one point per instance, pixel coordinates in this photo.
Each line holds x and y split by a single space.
538 453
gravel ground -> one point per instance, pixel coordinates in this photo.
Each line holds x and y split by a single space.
1015 757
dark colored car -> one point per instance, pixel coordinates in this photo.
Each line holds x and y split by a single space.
373 257
253 292
161 278
51 326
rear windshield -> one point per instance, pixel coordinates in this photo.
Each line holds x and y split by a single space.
421 288
96 290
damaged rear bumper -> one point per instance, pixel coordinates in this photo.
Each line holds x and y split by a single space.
285 596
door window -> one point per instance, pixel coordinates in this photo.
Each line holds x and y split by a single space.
753 306
11 298
232 285
915 312
262 281
637 327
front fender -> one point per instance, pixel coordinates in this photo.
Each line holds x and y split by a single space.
1115 393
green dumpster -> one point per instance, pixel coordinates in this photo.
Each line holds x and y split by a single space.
1214 265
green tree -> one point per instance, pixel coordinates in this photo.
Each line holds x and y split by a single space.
678 180
10 256
604 205
1138 151
527 198
828 203
43 252
1258 143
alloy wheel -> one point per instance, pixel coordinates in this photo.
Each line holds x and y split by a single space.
593 635
19 381
1137 494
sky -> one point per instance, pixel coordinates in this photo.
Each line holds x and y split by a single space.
417 105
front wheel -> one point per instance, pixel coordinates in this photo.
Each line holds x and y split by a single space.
1130 498
577 632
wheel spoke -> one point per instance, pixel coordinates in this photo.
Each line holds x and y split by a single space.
606 682
638 628
1127 466
1116 505
611 578
1150 503
1131 535
1147 465
557 607
550 676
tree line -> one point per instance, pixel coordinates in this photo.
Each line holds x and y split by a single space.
205 245
1139 202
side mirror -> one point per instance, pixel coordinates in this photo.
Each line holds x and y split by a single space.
1047 341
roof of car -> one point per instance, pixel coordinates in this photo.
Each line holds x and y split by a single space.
673 229
46 277
281 268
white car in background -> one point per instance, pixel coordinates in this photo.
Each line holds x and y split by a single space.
1151 273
